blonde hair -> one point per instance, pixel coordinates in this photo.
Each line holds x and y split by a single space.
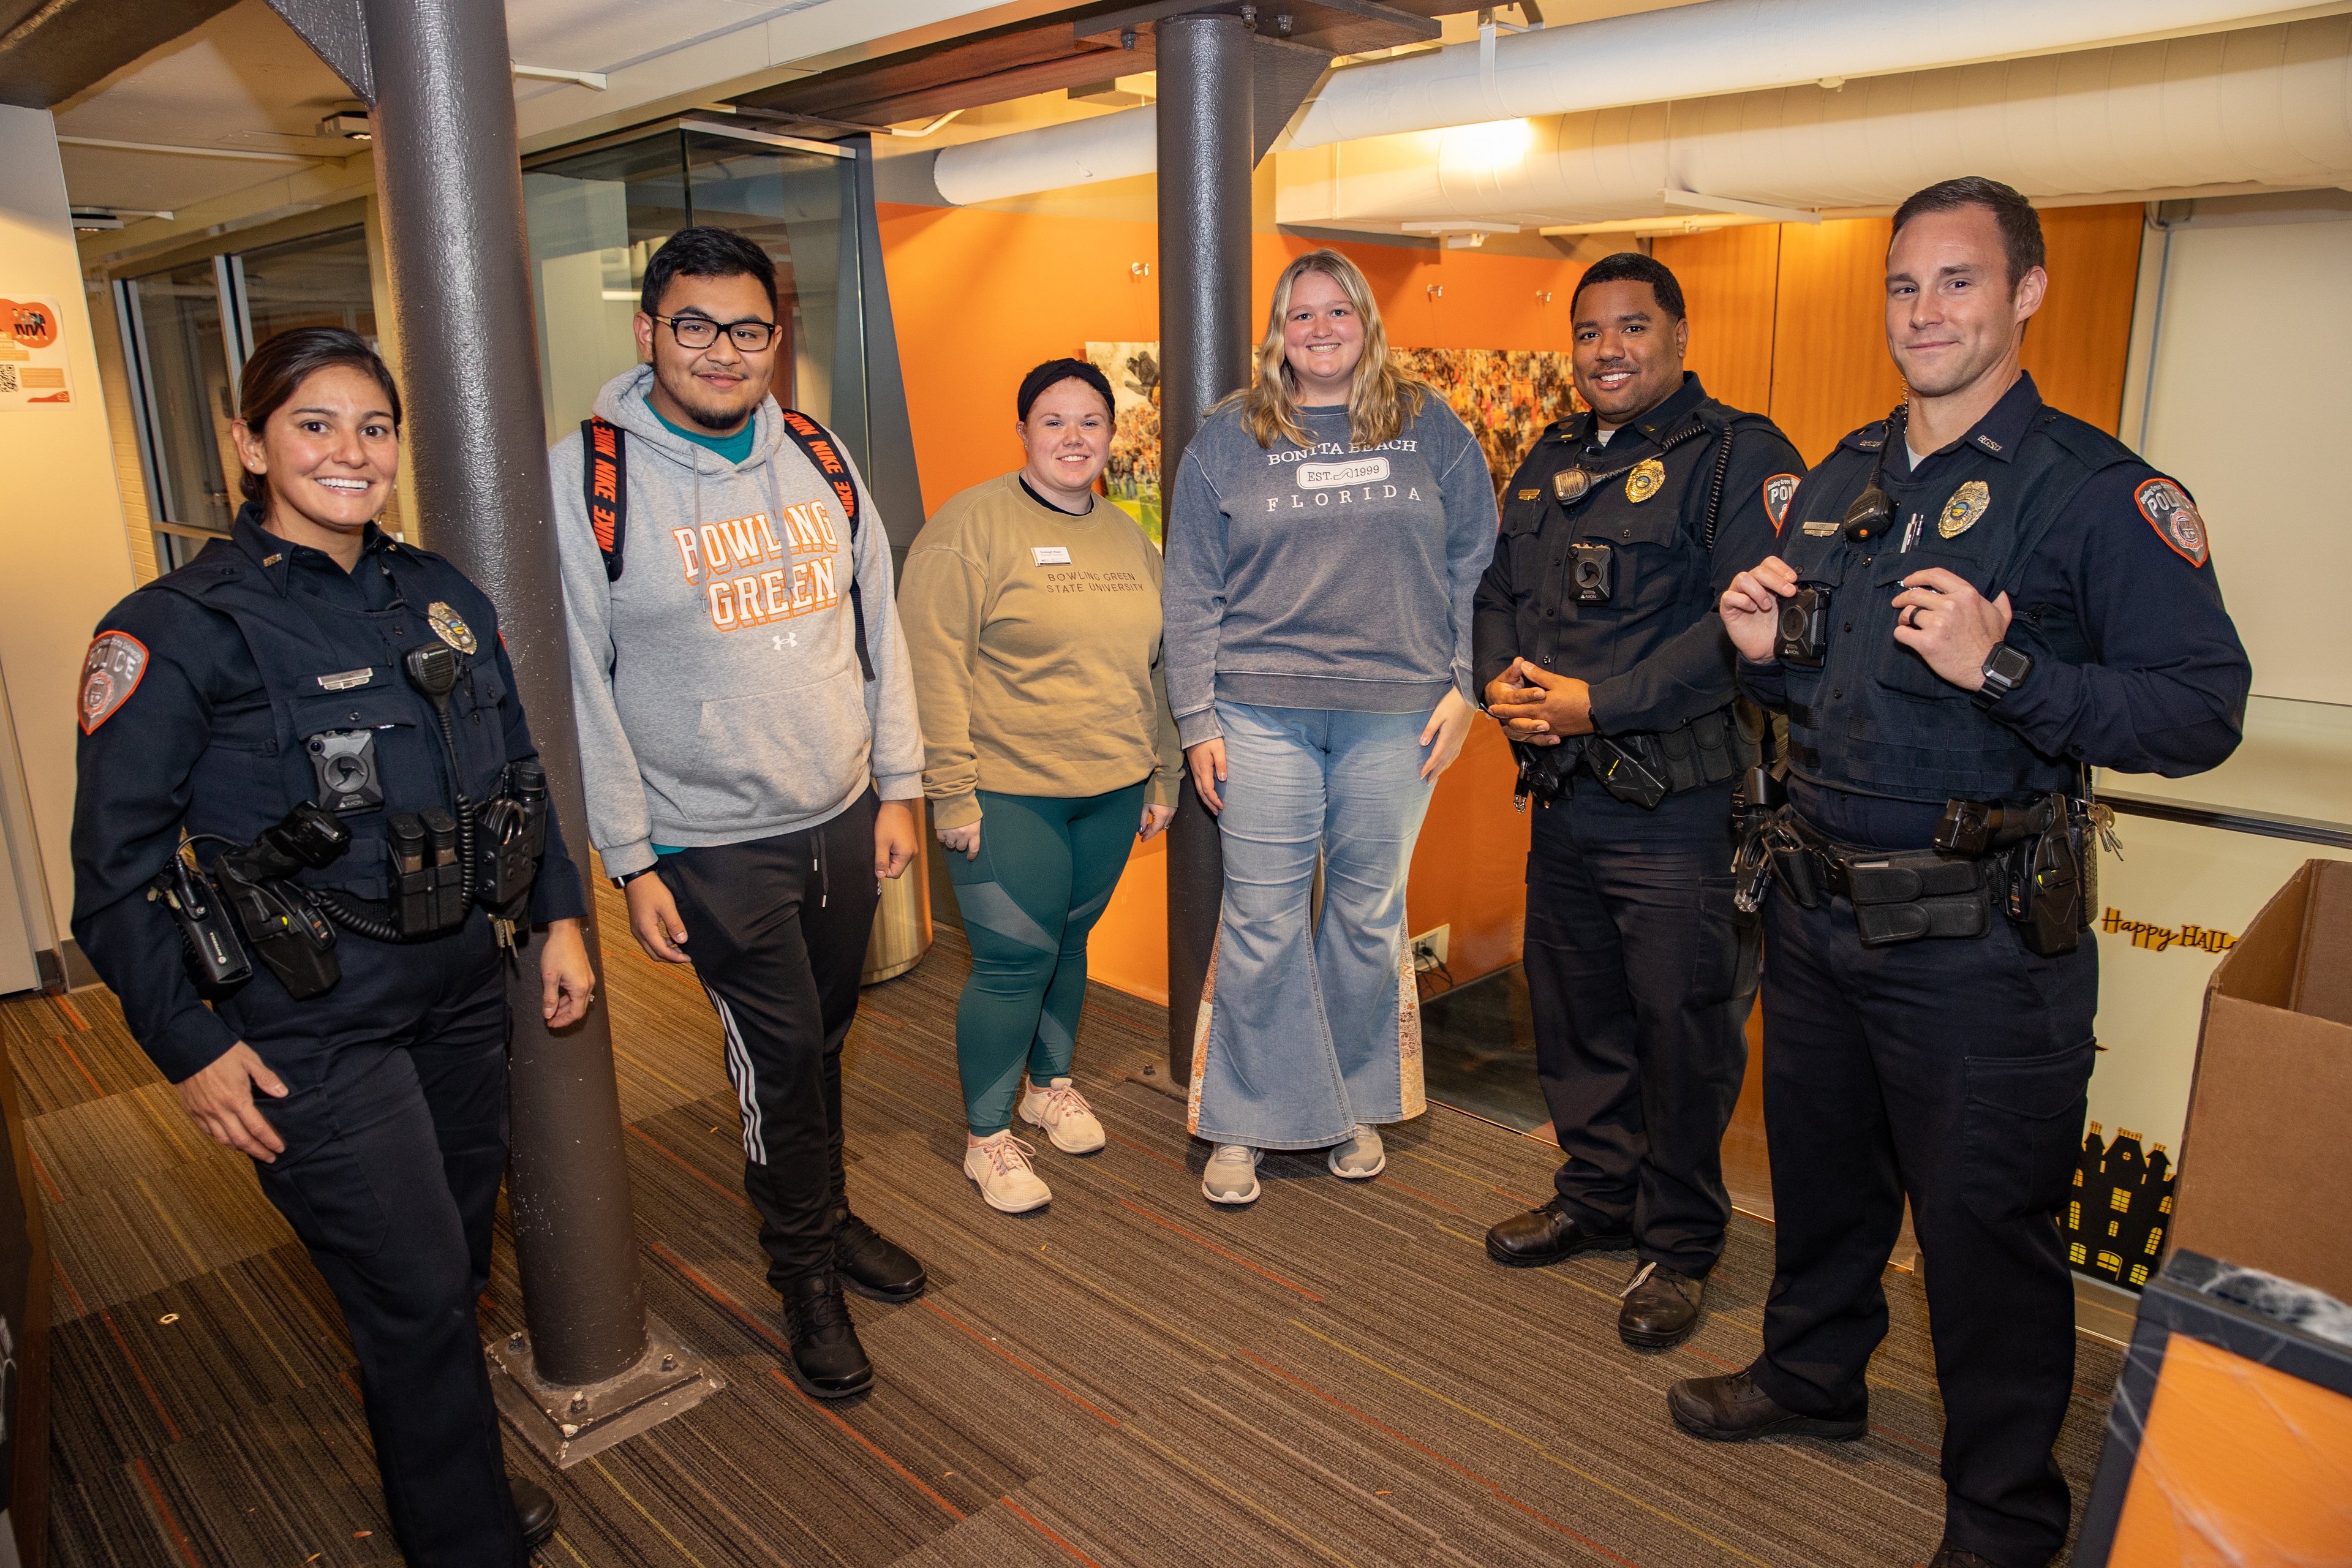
1380 397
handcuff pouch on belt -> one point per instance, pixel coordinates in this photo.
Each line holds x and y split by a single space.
1898 896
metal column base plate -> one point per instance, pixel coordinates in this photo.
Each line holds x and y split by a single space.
567 1423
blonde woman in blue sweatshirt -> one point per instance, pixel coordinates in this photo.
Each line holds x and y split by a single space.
1326 532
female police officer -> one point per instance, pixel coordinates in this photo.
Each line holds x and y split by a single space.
312 659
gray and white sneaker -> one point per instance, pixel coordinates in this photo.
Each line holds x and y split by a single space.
1231 1175
1360 1158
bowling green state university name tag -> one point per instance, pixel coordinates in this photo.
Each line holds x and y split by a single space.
1050 554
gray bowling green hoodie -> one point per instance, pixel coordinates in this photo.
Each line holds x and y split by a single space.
715 681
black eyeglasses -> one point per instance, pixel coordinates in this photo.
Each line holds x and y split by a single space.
701 332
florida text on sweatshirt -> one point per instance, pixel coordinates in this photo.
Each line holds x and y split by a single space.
715 682
1327 575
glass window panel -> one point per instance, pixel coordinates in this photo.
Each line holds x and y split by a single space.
800 208
593 220
321 280
178 318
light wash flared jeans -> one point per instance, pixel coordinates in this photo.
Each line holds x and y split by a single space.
1305 1032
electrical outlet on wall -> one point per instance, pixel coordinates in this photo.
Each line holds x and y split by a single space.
1429 948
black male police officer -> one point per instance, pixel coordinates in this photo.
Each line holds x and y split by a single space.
314 704
1972 603
1598 648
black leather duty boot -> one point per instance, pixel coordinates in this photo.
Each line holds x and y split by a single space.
1661 1308
1732 1409
1545 1236
870 1263
827 1361
535 1511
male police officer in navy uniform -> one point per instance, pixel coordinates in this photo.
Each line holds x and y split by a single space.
312 660
1597 645
1972 603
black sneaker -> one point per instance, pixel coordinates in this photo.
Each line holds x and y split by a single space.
870 1263
826 1362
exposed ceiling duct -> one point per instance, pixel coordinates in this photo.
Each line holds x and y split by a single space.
2260 106
1719 46
1074 152
1731 46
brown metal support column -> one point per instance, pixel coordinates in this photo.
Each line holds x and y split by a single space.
436 74
1206 153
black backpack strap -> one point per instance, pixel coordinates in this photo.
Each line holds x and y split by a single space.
605 486
816 444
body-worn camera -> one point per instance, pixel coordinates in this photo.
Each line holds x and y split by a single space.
1591 574
345 764
1805 631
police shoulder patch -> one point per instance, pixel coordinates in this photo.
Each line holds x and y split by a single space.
1779 491
110 673
2174 516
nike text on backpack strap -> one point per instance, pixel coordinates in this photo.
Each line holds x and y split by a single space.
605 484
816 444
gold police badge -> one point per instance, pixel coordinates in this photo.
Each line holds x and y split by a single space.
450 627
1648 478
1960 513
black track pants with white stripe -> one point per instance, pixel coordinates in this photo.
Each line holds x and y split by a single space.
777 928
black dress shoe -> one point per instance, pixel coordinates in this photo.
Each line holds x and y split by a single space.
871 1264
1661 1309
826 1362
1732 1409
535 1510
1545 1236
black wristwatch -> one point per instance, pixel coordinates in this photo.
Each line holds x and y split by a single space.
623 882
2005 669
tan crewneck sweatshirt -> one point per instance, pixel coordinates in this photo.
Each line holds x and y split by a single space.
1035 641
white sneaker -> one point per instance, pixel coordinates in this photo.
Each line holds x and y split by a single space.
1231 1175
999 1166
1065 1115
1360 1158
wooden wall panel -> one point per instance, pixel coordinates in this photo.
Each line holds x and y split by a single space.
1831 371
1730 279
2076 345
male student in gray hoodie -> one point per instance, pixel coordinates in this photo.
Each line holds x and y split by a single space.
743 697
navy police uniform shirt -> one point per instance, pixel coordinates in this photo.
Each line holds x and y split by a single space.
182 726
1655 655
2137 665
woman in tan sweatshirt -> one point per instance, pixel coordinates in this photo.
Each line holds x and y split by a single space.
1032 615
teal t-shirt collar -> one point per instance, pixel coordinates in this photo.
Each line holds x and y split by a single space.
734 448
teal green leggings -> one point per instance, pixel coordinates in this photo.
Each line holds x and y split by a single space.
1046 868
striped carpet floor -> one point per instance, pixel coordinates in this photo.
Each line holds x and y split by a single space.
1130 1378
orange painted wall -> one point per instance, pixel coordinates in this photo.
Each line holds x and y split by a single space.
977 296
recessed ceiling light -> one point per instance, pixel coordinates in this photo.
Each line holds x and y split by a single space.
349 125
